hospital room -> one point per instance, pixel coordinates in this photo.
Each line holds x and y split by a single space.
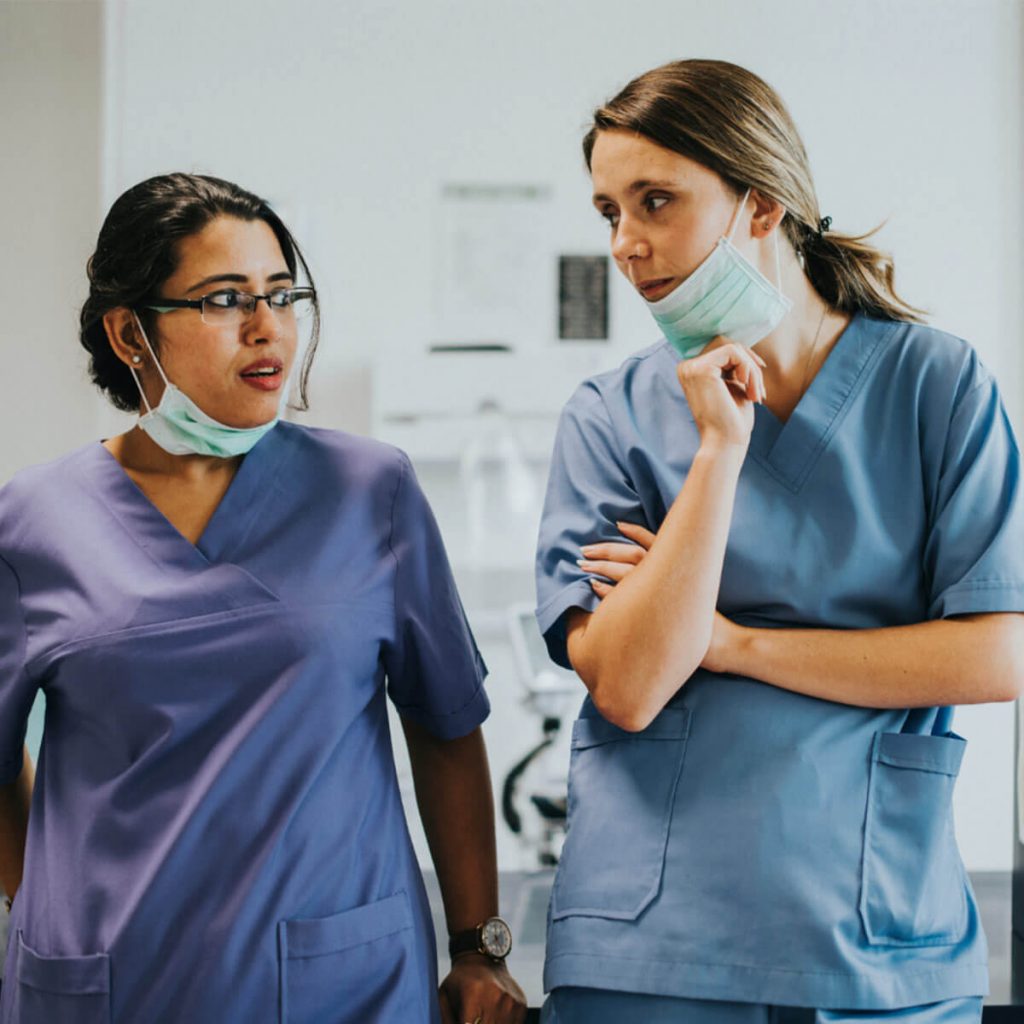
621 618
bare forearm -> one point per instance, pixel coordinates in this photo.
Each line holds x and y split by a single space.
646 638
453 792
972 660
15 799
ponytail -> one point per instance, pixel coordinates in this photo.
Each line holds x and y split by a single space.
850 274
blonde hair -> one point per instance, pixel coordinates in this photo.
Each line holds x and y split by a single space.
732 122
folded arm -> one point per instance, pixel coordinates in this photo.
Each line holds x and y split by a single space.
971 659
653 629
968 659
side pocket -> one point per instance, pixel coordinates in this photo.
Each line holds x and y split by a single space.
349 967
913 887
622 786
69 989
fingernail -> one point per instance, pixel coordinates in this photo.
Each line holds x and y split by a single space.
587 549
582 563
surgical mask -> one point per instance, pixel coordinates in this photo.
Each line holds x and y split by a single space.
725 295
180 427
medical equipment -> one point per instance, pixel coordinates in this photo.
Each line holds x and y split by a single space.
553 694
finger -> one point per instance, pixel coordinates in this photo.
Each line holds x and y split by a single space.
496 1006
735 366
613 551
749 378
739 389
725 356
447 1014
746 370
612 570
601 588
740 364
760 361
643 536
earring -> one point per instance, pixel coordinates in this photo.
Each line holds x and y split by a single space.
136 360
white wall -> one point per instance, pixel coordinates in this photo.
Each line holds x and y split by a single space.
50 140
50 76
351 114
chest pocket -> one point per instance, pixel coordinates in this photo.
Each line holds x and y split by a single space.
69 989
913 885
622 788
356 966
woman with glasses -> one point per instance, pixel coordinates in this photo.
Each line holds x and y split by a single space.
778 545
214 604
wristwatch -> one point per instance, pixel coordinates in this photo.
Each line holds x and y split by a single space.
493 938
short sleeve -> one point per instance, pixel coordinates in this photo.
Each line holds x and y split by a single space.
435 672
17 692
589 491
974 552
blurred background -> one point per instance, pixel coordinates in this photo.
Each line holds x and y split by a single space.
427 158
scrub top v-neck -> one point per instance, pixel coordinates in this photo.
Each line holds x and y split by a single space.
239 507
754 844
217 831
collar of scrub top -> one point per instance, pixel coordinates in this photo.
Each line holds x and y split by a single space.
789 451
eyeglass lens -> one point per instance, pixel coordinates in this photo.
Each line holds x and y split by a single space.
231 307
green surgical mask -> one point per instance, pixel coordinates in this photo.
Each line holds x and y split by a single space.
725 295
180 427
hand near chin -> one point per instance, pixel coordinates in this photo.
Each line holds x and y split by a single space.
722 385
612 561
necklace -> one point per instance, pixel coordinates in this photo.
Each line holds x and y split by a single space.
814 347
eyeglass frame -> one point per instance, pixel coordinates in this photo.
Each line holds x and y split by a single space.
161 305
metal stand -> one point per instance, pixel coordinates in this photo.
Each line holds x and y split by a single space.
1017 929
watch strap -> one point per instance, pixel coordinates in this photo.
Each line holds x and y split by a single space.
467 941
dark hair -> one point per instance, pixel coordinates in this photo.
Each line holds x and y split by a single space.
136 252
732 122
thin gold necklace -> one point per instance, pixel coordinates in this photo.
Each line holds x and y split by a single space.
814 348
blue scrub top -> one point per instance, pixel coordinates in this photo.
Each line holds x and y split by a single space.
755 844
216 832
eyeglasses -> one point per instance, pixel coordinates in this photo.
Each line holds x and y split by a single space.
228 307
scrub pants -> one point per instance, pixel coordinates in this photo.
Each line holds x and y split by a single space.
600 1006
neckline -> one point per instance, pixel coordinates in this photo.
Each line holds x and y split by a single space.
788 450
231 520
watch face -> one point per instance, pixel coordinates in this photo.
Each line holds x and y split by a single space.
496 937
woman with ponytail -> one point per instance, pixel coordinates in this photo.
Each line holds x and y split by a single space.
778 546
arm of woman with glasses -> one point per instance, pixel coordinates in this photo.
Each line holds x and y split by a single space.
15 798
453 792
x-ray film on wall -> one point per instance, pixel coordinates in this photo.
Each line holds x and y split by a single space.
493 265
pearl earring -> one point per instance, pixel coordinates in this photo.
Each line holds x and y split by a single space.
136 360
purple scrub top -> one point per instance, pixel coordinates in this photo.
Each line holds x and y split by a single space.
216 833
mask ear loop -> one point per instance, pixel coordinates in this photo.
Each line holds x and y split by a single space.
778 261
735 222
160 369
775 237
